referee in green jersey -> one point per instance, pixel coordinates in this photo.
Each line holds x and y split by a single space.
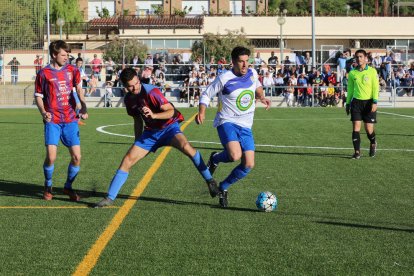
361 102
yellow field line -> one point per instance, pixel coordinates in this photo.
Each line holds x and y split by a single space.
49 207
91 258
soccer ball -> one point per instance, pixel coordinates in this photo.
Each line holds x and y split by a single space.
266 201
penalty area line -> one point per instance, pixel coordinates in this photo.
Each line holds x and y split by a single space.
91 258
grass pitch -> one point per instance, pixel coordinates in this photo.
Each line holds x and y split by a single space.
335 216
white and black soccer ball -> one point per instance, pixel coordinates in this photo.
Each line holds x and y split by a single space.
266 201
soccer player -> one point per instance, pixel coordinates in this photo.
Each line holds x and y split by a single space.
146 103
237 90
361 102
57 106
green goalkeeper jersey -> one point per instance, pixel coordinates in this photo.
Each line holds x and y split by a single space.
363 85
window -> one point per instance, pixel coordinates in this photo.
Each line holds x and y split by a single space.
236 6
198 7
100 4
145 7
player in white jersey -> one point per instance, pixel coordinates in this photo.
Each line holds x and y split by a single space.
237 91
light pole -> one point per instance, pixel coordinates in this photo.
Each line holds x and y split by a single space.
281 20
60 22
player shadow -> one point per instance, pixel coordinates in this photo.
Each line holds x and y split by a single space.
313 154
34 191
190 203
115 143
21 123
364 226
396 134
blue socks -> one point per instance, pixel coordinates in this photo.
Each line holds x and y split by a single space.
221 157
238 173
119 179
72 173
201 166
48 172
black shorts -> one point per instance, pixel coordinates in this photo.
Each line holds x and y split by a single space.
361 111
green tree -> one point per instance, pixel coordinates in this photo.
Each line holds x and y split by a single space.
220 45
16 31
66 9
104 13
131 47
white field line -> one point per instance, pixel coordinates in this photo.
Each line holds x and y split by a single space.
396 114
101 129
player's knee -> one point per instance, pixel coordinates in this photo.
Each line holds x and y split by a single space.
249 165
235 156
76 158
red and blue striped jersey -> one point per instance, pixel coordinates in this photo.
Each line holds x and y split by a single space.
55 87
151 97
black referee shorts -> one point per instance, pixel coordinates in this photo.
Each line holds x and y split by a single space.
361 111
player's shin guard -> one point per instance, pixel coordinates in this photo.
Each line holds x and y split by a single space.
48 172
116 183
238 173
201 166
72 173
356 140
221 157
371 137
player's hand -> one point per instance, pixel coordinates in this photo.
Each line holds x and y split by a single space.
147 112
374 107
83 116
47 117
348 109
199 119
266 102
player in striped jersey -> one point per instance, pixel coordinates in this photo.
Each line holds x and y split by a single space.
237 91
57 105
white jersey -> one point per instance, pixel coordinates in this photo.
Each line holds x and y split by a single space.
236 97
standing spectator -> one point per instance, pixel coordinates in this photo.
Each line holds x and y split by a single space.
84 77
376 63
38 63
341 66
1 68
109 69
57 106
135 62
273 60
257 61
268 84
96 66
14 65
149 61
210 64
308 62
361 102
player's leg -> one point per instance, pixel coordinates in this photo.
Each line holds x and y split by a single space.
180 142
70 138
356 118
232 151
246 146
48 169
369 128
52 135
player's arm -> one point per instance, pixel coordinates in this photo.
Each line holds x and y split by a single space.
138 126
83 113
39 103
260 96
215 87
375 92
167 112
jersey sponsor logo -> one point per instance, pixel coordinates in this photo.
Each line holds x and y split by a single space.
245 100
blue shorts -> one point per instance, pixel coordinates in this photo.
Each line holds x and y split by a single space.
232 132
151 140
67 133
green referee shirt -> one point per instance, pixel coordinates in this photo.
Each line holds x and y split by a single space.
363 85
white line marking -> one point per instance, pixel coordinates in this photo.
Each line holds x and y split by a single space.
101 129
396 114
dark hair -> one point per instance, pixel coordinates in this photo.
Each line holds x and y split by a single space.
239 51
127 74
361 51
56 46
79 59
